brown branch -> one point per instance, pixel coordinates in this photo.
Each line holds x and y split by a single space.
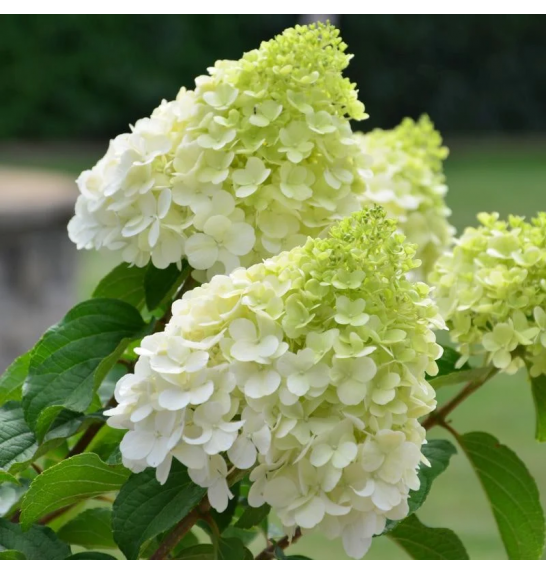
16 516
55 514
182 528
86 438
269 552
438 417
200 512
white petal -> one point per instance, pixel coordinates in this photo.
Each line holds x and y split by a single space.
351 392
202 394
136 445
197 361
201 251
354 543
367 490
141 413
191 456
220 442
344 455
162 471
240 238
364 369
268 346
159 452
386 496
164 203
242 453
153 234
243 329
174 399
311 513
298 384
262 439
321 454
219 495
279 492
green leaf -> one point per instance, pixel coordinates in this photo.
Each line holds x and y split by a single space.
446 363
538 386
11 382
17 441
199 552
296 557
438 453
160 285
449 374
65 425
106 442
142 286
91 556
11 555
90 529
72 358
125 283
144 508
74 479
424 543
233 549
115 456
246 536
18 445
512 493
461 376
7 477
39 543
253 516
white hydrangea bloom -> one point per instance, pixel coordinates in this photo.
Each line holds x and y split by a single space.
406 178
309 369
255 159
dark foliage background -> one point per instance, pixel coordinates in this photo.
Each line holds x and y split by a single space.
87 77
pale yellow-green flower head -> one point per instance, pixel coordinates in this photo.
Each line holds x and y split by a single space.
310 369
491 290
255 159
407 179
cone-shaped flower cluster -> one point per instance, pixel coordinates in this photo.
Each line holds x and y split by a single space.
491 289
255 159
408 181
308 368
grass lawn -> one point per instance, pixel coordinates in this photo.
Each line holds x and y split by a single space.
509 177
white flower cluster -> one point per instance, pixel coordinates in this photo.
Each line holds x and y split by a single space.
491 290
255 159
408 181
308 369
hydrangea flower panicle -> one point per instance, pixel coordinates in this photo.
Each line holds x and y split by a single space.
255 159
406 178
491 290
309 369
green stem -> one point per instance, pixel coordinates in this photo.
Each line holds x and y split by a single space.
215 534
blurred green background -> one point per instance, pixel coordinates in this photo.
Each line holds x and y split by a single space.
71 82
